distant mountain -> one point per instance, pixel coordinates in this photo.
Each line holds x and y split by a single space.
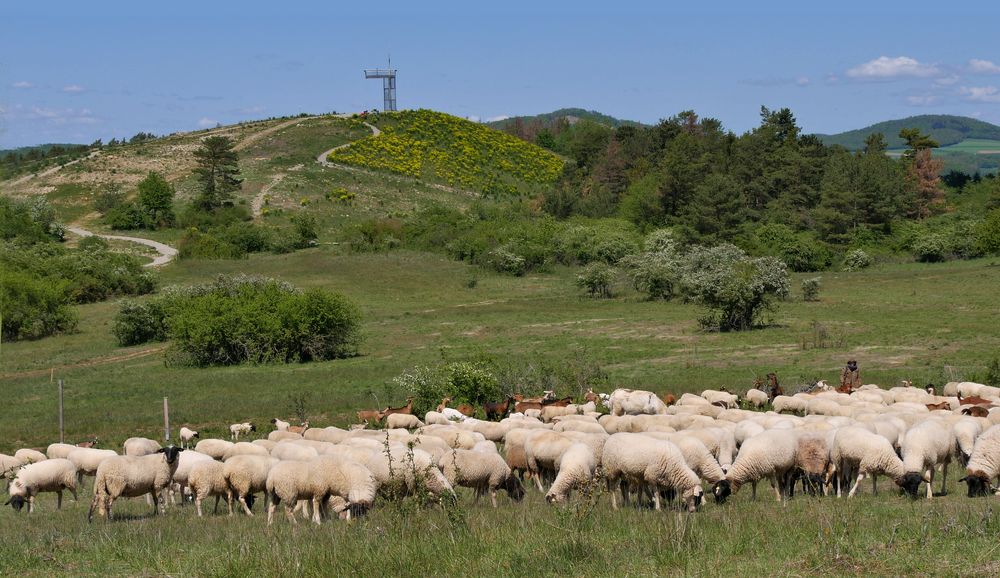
571 114
42 148
945 128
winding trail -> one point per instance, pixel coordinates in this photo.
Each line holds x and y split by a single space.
257 204
166 252
322 159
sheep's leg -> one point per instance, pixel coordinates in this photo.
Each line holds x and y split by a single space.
656 497
271 507
316 510
246 508
930 483
753 490
538 480
110 502
614 496
59 499
854 488
944 478
776 486
73 491
229 502
290 514
874 484
31 503
493 497
197 504
216 509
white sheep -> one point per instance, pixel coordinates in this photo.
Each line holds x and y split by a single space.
287 482
434 417
58 450
9 466
984 464
136 447
238 429
279 424
543 451
244 449
185 463
330 434
186 435
784 403
291 451
635 402
966 430
646 462
213 447
576 469
131 476
348 482
407 468
206 479
280 435
926 446
29 456
402 421
770 454
755 397
482 471
246 475
50 475
87 460
721 398
868 454
696 456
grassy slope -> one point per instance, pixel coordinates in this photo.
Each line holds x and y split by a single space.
903 321
946 129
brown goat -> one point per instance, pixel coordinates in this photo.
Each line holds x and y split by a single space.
774 389
369 416
299 429
407 409
591 396
669 399
497 410
444 403
89 444
466 409
935 406
973 400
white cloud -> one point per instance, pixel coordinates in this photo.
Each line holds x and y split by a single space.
977 66
61 116
207 123
980 93
802 81
885 68
497 118
23 84
947 80
72 88
257 109
922 100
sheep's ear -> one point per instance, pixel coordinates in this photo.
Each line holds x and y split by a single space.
161 450
960 480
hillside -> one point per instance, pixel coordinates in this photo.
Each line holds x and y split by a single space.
571 114
442 148
944 128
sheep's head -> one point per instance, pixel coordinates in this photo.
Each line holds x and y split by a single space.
170 453
253 427
722 490
16 502
693 498
515 489
911 483
979 485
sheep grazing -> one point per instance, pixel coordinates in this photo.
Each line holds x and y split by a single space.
213 447
29 456
654 464
87 460
207 479
635 402
9 466
246 475
543 451
402 469
287 482
185 463
279 424
483 471
576 469
966 431
868 454
352 482
926 446
238 429
755 397
186 435
984 464
58 450
402 421
53 475
770 454
812 458
131 476
137 447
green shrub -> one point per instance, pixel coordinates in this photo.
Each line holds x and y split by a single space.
247 237
654 271
929 248
735 288
376 235
987 234
502 260
93 243
110 197
597 279
34 306
473 382
197 245
306 230
128 216
857 260
16 224
801 251
195 217
810 289
138 323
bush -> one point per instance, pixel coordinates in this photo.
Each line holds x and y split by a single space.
801 251
929 248
857 260
109 198
810 289
306 230
128 216
654 271
473 382
138 323
597 279
427 385
987 234
376 235
247 320
33 306
195 217
502 260
197 245
247 237
735 288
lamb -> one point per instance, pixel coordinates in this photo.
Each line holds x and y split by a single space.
87 460
58 450
483 471
576 469
238 429
635 402
984 464
755 397
131 476
768 454
351 481
29 456
207 479
137 447
402 421
926 446
50 475
279 424
186 435
246 475
858 450
213 447
639 459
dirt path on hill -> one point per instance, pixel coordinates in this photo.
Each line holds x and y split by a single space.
166 252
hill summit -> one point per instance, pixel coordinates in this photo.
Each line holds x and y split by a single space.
945 128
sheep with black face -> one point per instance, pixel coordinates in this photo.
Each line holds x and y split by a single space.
130 477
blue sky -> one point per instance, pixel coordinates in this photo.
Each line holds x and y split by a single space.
77 71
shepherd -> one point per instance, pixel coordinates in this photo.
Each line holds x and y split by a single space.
850 376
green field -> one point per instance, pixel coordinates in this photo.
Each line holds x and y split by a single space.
977 146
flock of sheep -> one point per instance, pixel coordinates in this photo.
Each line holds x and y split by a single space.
644 449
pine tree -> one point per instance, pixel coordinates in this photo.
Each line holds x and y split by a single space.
218 172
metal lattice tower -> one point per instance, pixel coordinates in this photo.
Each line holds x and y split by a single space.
388 76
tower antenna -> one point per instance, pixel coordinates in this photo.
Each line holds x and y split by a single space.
388 77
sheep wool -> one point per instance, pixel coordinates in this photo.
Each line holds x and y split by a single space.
645 461
53 475
770 454
926 445
984 464
246 475
132 476
207 479
576 469
858 450
482 471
